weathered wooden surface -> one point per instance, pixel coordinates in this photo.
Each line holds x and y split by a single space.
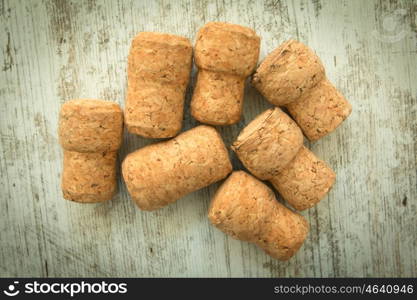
52 51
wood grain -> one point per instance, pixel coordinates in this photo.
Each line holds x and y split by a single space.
52 51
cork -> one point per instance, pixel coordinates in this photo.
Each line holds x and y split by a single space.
226 54
89 177
90 132
304 181
268 143
218 98
320 110
287 72
293 76
159 68
246 209
161 173
90 125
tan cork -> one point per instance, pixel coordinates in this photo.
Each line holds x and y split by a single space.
293 76
90 132
161 173
159 68
225 54
89 125
246 209
320 110
287 72
89 177
268 143
304 181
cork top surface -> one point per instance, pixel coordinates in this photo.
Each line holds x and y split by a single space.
287 72
227 48
230 206
90 125
268 143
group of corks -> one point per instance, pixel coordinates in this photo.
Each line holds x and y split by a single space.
270 146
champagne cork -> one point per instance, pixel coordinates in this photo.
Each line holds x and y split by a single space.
293 76
161 173
271 148
159 67
88 125
246 209
287 72
226 54
268 143
320 110
89 177
90 132
304 181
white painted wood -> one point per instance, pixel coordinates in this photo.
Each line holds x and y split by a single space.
52 51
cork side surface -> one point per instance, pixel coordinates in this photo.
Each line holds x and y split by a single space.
159 57
154 111
217 98
287 72
268 143
89 177
305 180
227 48
161 173
320 110
159 67
89 125
246 209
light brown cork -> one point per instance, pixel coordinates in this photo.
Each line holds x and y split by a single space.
218 98
287 72
225 54
293 75
268 143
90 125
305 180
90 132
159 67
246 209
161 173
320 110
89 177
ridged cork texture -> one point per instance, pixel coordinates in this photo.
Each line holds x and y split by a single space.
305 180
293 76
246 209
161 173
320 110
287 72
218 98
159 67
90 132
268 143
225 55
227 48
89 125
89 177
